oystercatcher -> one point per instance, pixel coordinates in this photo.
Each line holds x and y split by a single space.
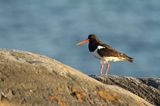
104 52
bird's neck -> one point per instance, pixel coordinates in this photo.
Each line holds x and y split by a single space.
92 45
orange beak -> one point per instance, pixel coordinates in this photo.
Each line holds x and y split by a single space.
83 41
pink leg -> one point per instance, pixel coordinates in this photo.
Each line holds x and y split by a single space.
100 71
106 71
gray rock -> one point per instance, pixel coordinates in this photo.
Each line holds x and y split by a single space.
147 88
154 82
0 95
7 95
37 80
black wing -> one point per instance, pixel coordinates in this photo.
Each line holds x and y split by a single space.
108 51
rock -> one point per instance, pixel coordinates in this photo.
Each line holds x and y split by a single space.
154 82
34 79
147 88
0 95
8 95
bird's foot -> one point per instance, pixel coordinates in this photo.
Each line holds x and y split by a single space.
100 76
105 76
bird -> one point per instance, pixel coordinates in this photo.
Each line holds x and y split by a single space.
104 52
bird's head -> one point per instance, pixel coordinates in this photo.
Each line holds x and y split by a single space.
91 37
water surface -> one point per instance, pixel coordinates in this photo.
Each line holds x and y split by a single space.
53 27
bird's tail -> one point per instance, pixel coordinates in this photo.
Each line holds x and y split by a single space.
130 59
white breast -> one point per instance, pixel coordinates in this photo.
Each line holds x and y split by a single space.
96 54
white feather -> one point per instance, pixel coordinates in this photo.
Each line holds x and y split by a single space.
100 47
114 59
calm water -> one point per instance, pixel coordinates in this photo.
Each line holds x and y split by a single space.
53 27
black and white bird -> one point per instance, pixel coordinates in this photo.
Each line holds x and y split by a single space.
104 52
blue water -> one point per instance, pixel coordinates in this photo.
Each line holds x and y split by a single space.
53 27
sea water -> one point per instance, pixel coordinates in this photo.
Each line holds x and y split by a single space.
53 27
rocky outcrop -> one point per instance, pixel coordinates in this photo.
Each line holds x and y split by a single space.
147 88
31 79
